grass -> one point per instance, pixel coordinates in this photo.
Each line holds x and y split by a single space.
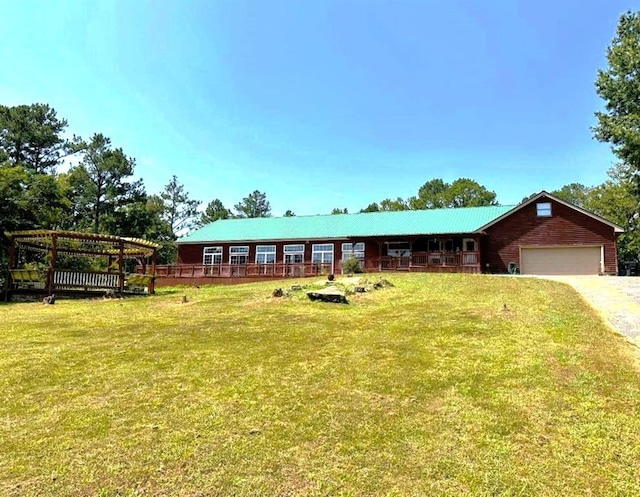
425 388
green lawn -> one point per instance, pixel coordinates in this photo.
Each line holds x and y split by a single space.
426 388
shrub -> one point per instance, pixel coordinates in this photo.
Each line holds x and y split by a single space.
351 265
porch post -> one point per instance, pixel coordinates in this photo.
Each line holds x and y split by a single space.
54 262
410 262
121 268
11 264
13 260
154 257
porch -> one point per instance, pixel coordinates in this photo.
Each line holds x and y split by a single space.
436 262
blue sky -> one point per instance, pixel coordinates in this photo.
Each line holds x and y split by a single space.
323 104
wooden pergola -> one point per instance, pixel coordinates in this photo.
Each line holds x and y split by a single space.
58 246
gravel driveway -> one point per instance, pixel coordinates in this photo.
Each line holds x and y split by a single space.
616 298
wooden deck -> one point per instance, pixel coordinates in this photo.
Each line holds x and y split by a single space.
275 270
436 262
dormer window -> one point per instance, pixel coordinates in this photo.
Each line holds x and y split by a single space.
543 209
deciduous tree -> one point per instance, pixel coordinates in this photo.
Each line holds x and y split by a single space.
463 192
616 200
372 207
430 195
619 86
619 124
399 204
574 193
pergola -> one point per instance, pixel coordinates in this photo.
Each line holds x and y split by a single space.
59 246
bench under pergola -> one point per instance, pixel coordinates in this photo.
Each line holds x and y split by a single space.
58 246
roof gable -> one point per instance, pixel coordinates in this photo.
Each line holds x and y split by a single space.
544 194
340 226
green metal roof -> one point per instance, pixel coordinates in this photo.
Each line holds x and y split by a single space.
340 226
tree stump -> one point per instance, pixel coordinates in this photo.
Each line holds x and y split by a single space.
331 294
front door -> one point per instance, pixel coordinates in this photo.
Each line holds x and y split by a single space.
401 251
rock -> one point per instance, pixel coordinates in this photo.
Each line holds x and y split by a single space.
382 284
329 294
296 288
110 294
360 289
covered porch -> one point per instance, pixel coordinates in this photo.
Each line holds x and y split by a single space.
47 262
448 253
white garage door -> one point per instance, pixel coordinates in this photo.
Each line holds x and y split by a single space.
560 260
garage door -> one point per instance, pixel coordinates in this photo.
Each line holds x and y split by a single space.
560 260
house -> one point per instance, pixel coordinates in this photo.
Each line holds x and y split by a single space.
544 235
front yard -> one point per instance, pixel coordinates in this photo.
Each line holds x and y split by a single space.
430 387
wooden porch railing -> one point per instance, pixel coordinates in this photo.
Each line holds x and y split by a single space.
418 260
243 270
424 260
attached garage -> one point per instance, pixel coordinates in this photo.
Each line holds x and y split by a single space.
564 259
547 235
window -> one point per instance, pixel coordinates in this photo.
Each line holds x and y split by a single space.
293 254
238 255
543 209
322 253
212 255
353 250
265 254
469 245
